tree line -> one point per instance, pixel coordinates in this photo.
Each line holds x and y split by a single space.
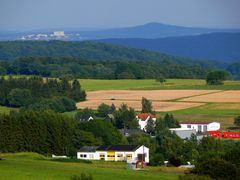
36 93
105 69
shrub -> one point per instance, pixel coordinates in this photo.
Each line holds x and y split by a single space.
216 168
193 177
175 161
83 176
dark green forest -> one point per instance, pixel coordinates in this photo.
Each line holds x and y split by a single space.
35 93
71 67
96 60
11 50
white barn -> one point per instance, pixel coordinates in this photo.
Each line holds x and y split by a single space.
201 127
129 153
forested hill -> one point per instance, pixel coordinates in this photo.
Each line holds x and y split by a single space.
222 47
11 50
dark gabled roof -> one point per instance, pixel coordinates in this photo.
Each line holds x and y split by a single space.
85 117
118 148
88 149
102 148
129 132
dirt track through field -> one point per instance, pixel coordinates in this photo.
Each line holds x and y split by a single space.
154 95
157 106
223 96
181 99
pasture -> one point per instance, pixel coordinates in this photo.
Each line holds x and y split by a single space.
26 166
151 84
188 100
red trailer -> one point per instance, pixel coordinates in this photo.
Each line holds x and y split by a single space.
220 134
231 134
217 134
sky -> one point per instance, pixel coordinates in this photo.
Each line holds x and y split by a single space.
43 14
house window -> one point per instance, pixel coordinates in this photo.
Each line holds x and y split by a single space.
90 156
189 126
102 156
83 155
111 156
199 128
129 156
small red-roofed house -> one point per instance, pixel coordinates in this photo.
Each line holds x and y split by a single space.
143 119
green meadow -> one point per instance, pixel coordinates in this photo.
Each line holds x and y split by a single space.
151 84
27 166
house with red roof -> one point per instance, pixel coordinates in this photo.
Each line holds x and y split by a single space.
143 119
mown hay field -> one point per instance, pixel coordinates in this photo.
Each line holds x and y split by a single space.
224 96
158 106
187 105
154 95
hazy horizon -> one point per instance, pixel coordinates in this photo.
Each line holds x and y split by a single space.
29 15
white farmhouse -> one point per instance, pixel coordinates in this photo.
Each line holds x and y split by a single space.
201 127
143 119
131 153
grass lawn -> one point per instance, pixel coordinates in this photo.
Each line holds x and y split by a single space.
24 166
4 109
151 84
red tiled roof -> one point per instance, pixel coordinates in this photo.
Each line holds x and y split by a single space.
144 116
189 122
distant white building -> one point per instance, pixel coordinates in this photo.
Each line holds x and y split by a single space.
59 34
143 119
129 153
201 127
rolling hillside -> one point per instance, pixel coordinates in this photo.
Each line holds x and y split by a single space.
224 47
11 50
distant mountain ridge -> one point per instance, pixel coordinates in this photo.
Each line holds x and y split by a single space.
224 47
147 31
151 31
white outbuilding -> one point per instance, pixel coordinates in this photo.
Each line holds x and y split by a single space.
201 127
